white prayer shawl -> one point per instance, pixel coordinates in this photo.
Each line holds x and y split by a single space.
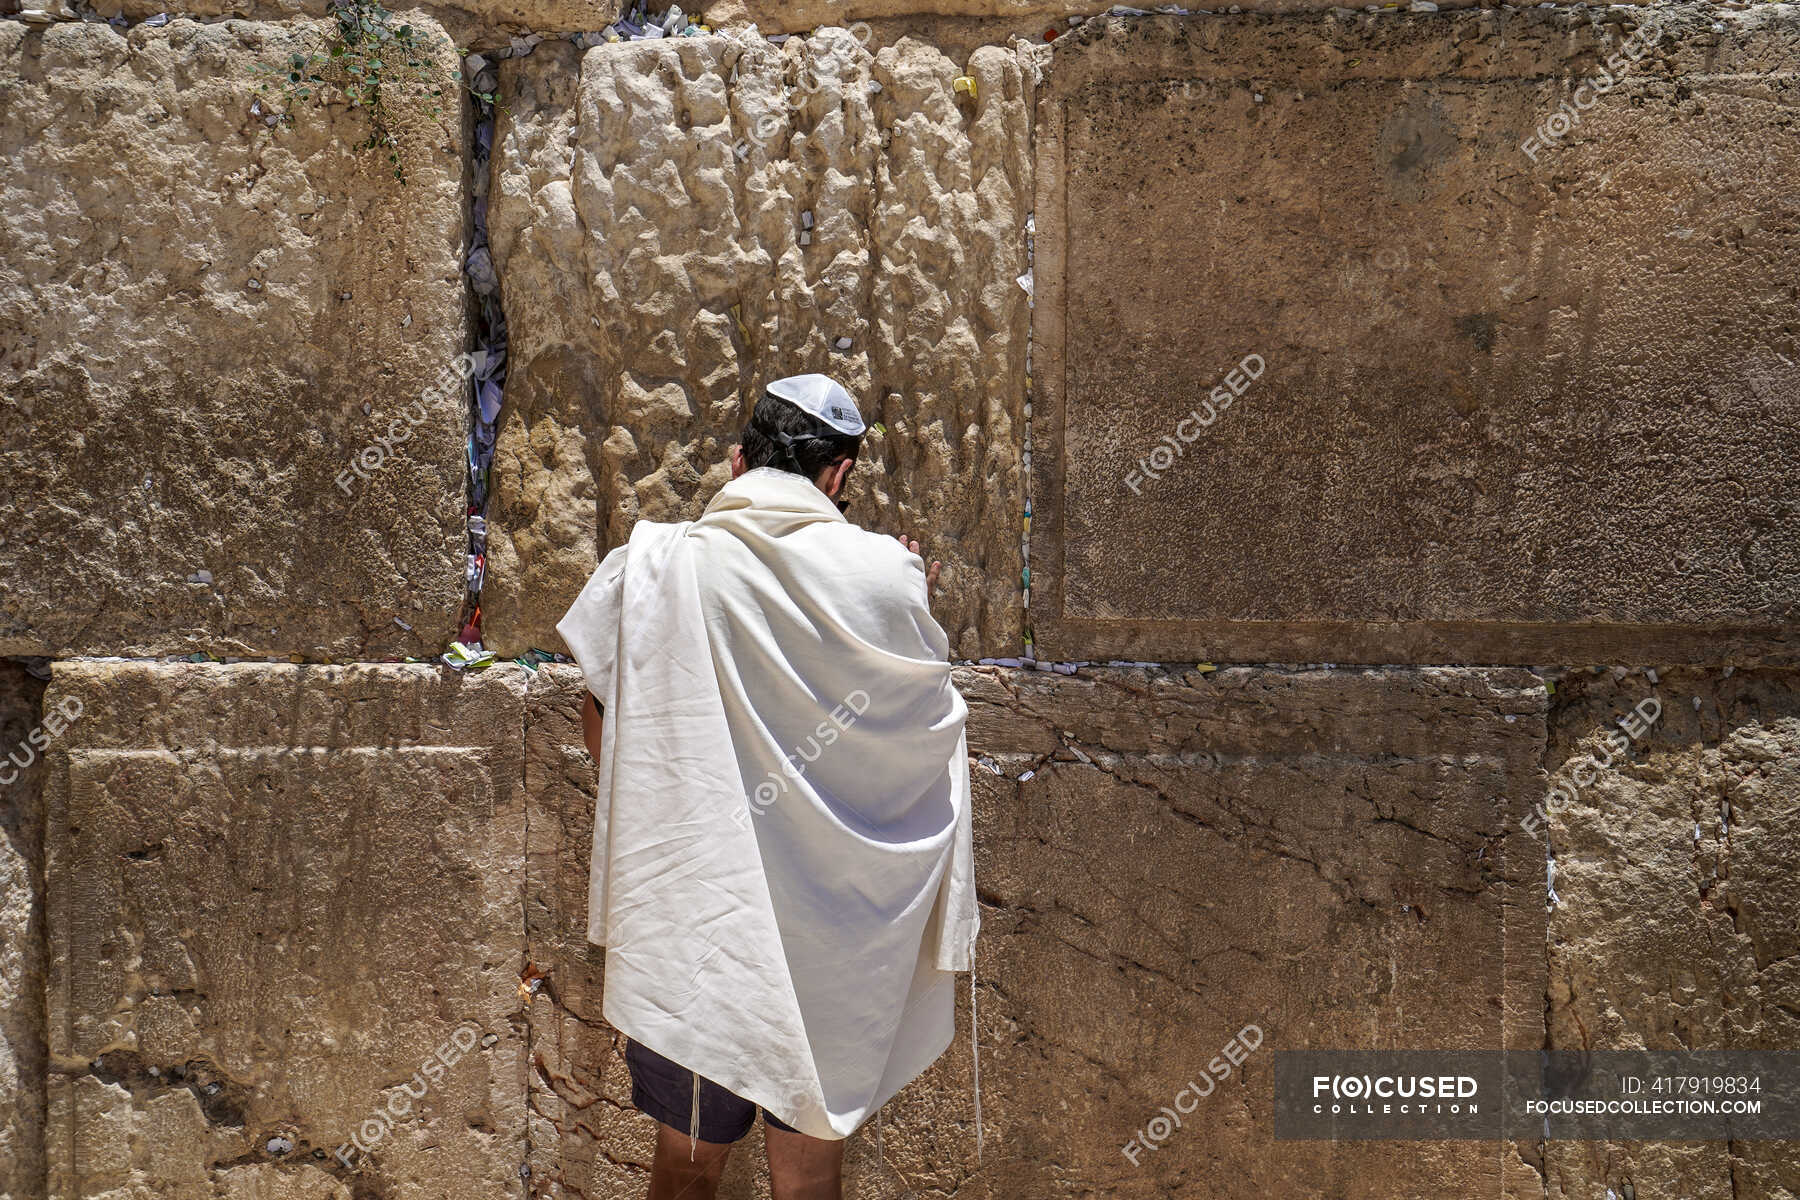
782 866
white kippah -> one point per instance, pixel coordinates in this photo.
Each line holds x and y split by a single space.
823 397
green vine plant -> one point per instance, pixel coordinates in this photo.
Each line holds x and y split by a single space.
372 64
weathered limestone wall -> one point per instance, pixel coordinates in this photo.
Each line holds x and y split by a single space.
1512 410
1676 920
1183 849
487 23
274 892
194 313
676 223
22 1076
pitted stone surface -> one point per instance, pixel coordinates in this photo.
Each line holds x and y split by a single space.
274 893
470 23
1676 923
1327 854
193 313
649 206
1332 855
22 931
1491 430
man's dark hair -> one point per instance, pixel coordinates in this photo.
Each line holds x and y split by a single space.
780 435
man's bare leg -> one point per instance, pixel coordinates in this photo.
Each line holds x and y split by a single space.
676 1176
802 1167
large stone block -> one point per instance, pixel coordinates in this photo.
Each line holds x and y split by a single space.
1331 855
274 894
1676 921
1517 406
201 322
649 219
21 934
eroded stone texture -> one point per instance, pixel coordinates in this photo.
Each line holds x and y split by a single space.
193 313
468 22
1677 920
274 892
653 278
1326 854
481 23
1512 411
1332 855
21 934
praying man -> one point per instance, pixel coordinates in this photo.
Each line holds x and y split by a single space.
782 868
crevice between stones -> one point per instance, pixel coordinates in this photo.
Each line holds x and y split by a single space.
488 334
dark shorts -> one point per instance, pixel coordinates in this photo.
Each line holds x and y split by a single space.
665 1090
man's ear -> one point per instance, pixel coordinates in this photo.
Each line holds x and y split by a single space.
737 461
835 476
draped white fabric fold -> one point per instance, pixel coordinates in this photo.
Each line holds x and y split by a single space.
782 868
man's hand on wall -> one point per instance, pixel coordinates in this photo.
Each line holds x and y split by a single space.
931 572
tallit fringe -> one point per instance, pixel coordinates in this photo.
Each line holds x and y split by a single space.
975 1047
694 1119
